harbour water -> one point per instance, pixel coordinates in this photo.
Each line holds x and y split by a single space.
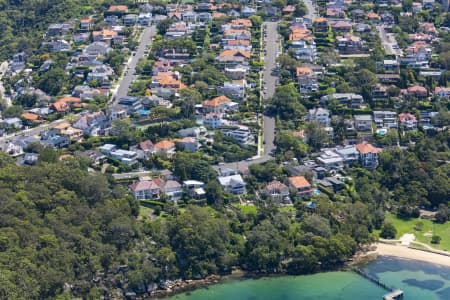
419 281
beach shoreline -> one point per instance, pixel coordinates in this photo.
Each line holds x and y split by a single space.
404 252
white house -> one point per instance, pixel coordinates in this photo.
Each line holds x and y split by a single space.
233 184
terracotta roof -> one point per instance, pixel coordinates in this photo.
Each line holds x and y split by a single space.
227 53
365 148
299 182
216 101
304 71
372 15
238 42
62 126
64 103
319 20
164 145
243 22
30 116
86 20
417 89
121 8
105 33
217 15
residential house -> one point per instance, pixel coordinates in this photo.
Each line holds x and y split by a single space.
161 66
189 144
373 17
335 12
348 153
52 139
213 120
65 129
104 35
385 119
243 45
236 72
233 56
86 23
117 112
101 73
204 17
415 90
341 26
237 34
247 11
145 189
379 91
350 99
145 18
234 89
276 191
443 92
330 160
408 121
368 155
363 122
98 48
144 149
173 190
288 9
350 44
95 157
306 79
12 122
362 27
321 115
239 133
92 123
127 157
416 7
304 50
81 37
233 183
301 185
129 19
66 103
165 148
130 103
320 24
194 188
428 28
59 45
118 9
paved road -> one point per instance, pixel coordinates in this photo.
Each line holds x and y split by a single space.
271 46
120 91
312 13
389 42
128 76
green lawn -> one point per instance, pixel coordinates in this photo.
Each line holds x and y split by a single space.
248 209
144 211
442 230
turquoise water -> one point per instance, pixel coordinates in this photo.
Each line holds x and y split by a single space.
420 281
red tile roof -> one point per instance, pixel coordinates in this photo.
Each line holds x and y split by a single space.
299 182
365 148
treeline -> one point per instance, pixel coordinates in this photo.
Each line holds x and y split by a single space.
67 232
60 226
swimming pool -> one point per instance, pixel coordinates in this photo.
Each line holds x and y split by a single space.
382 131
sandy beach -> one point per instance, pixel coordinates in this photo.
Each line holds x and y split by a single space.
408 253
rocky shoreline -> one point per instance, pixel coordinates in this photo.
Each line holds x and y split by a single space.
180 286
